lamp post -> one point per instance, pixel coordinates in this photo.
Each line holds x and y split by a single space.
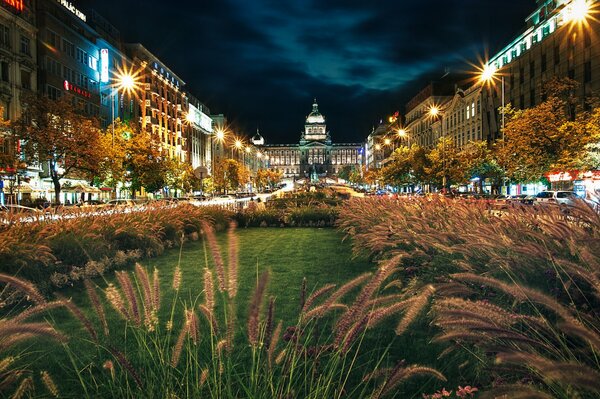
435 112
488 76
125 83
402 134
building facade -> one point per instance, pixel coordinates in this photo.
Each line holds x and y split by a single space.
558 41
315 155
161 102
18 76
200 131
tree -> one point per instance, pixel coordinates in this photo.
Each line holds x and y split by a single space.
444 161
114 145
356 177
58 135
180 176
476 160
345 172
551 136
228 175
146 166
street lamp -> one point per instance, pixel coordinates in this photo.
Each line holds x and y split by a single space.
402 134
434 112
488 76
238 144
124 82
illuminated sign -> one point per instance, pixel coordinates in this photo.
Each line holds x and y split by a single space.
67 4
16 4
561 176
76 89
104 65
199 118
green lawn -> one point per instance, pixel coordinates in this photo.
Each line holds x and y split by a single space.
288 254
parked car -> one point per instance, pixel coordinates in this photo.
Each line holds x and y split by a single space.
19 210
556 197
120 202
91 203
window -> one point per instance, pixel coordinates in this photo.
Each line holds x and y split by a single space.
93 62
81 56
531 97
4 36
556 55
25 45
521 75
52 92
68 48
531 69
25 79
587 39
53 38
67 73
52 66
4 71
543 62
587 72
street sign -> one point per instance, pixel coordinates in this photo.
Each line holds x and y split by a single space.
201 172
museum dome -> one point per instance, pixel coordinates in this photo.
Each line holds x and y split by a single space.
315 116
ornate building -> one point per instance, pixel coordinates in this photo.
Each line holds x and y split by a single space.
315 155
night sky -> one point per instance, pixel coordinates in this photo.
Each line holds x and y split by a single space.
261 62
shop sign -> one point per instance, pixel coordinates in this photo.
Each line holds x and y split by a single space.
76 89
69 6
561 176
104 65
16 4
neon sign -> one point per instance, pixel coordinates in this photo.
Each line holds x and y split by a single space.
67 4
104 65
16 4
76 89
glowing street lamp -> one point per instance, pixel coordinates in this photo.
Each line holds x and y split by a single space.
434 113
577 12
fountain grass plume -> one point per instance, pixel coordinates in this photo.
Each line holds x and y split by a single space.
255 307
97 305
213 246
232 283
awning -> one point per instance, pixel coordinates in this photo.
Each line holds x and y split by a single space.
80 187
24 188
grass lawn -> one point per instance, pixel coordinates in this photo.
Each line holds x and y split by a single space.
288 254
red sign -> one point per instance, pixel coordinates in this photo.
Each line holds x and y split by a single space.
16 4
562 176
76 89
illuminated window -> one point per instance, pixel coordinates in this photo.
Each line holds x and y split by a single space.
93 63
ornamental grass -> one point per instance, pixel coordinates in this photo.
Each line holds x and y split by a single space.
153 340
516 287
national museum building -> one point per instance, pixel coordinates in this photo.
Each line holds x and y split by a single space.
315 155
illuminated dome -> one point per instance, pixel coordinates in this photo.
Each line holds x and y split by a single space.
315 116
258 139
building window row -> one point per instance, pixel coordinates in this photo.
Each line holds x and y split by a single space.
56 68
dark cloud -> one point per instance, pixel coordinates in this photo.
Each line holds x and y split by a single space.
262 62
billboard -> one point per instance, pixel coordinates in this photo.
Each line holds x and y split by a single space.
199 118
